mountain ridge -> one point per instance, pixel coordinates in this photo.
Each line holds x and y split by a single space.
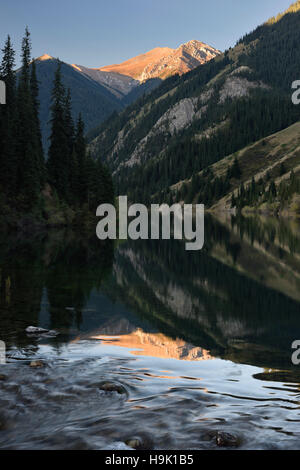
98 92
191 122
161 62
92 99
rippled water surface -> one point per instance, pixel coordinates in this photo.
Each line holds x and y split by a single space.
198 342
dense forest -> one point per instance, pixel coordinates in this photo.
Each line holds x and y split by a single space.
265 191
250 119
64 188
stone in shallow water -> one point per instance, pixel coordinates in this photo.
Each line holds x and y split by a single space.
112 387
134 443
36 364
141 442
37 331
3 377
223 439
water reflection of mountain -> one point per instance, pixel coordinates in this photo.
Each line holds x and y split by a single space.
268 250
208 298
155 345
238 298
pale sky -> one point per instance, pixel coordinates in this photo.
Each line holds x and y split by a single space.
100 32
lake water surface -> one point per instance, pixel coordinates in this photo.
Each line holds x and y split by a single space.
199 341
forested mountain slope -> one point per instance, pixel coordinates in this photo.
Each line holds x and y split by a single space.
98 92
92 99
190 122
264 176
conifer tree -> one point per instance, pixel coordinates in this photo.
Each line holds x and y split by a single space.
80 149
78 179
272 191
35 101
235 170
28 147
58 163
8 163
7 71
69 124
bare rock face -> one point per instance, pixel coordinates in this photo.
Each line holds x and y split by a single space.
238 87
187 57
180 116
163 62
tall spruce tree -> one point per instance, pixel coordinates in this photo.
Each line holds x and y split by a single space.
78 179
69 124
8 162
80 149
71 157
28 150
58 163
35 101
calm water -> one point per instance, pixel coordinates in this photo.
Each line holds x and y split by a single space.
200 342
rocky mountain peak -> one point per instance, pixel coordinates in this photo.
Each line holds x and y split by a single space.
163 62
45 57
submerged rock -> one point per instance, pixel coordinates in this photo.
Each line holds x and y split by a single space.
224 439
3 377
112 387
4 422
36 364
